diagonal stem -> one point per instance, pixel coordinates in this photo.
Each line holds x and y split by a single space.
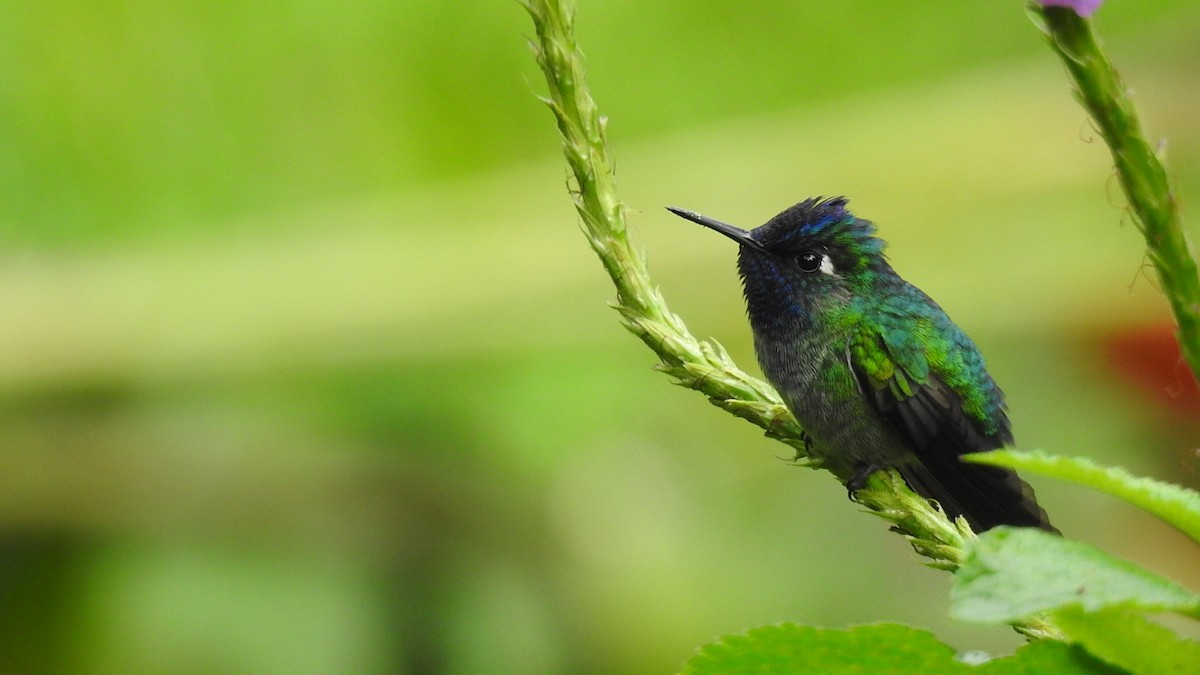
699 364
1152 202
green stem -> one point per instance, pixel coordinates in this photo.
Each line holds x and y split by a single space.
698 364
1141 174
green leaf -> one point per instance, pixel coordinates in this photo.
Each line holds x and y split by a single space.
794 648
876 648
1012 573
1047 656
1176 505
1129 640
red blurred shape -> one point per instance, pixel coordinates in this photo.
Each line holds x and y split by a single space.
1149 358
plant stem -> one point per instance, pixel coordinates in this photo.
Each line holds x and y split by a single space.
700 365
697 364
1141 174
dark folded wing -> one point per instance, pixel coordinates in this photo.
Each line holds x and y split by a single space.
930 418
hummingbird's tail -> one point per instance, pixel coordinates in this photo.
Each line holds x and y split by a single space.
986 496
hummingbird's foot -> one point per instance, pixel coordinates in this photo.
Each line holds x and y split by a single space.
858 480
807 451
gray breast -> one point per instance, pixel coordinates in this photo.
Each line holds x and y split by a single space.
813 376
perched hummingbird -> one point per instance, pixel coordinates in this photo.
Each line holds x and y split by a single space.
873 369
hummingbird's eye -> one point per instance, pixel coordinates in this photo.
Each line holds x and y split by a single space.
809 261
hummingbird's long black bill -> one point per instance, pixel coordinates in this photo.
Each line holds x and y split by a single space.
733 232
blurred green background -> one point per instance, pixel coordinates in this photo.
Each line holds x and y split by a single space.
305 367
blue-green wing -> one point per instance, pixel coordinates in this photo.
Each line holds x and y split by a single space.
940 414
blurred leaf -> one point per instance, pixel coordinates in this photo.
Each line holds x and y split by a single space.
1047 656
877 648
1175 504
1013 573
1128 640
794 648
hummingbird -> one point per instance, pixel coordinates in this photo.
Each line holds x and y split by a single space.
873 369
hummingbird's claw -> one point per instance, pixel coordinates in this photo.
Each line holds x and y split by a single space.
858 480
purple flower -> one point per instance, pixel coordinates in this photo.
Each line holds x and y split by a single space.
1083 8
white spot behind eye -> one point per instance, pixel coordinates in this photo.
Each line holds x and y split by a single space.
826 265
